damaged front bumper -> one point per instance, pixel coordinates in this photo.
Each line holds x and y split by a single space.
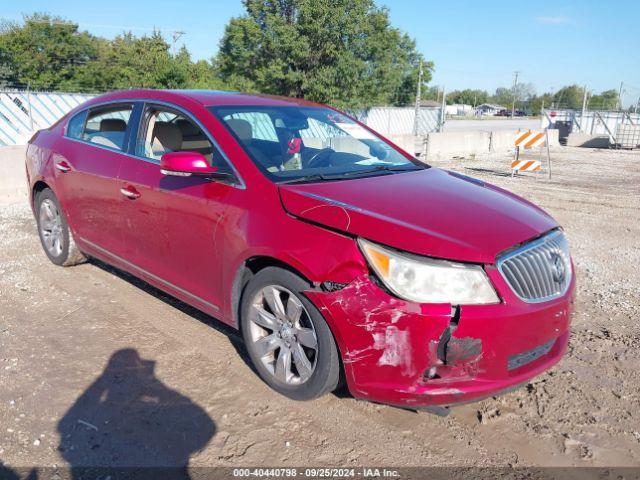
419 355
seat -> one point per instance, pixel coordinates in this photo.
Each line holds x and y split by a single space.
113 125
244 132
111 133
193 138
166 137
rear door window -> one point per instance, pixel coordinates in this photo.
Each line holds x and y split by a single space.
107 126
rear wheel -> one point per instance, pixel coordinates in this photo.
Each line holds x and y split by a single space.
288 340
53 229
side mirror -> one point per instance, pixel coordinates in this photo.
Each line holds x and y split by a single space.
186 164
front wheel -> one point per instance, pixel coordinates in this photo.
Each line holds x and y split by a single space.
288 340
53 229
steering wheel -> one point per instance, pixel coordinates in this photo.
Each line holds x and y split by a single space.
319 160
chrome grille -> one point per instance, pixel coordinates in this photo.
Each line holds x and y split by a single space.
539 270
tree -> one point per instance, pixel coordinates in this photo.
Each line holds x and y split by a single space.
569 97
45 52
607 100
128 62
7 75
503 96
343 52
468 97
50 53
431 93
536 102
522 94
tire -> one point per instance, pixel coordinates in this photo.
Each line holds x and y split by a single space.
270 337
55 236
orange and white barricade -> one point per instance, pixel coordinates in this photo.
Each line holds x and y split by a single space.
526 141
526 165
531 139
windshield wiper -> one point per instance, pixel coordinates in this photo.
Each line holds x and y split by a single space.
380 169
318 177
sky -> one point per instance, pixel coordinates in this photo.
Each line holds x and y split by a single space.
474 44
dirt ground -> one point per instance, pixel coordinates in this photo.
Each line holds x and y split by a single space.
75 338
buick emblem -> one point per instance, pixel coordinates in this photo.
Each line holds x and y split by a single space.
557 268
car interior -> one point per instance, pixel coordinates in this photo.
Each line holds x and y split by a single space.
107 128
276 155
169 132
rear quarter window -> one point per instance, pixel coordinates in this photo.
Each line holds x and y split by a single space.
75 126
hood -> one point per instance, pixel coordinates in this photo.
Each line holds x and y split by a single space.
429 212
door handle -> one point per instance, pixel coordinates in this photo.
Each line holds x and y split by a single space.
63 166
130 192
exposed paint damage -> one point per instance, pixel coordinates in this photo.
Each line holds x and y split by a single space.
453 358
395 347
420 355
387 343
393 332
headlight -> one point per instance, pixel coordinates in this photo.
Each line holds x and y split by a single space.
427 280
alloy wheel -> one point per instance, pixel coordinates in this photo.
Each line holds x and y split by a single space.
282 335
51 228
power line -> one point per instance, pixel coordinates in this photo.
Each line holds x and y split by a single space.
90 25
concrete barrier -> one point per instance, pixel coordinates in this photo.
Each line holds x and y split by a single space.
413 144
13 177
450 144
503 140
554 137
577 139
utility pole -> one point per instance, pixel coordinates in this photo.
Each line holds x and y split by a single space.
584 108
176 36
620 96
442 108
29 105
418 99
515 84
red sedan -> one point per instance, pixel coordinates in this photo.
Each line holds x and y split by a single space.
339 257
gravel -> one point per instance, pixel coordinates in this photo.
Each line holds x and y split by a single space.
178 387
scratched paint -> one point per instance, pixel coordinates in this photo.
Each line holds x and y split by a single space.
396 349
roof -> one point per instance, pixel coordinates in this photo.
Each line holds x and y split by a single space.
205 97
491 105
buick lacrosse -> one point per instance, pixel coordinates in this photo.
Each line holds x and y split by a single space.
340 258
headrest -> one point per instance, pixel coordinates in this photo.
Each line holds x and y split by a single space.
168 135
113 125
241 128
188 129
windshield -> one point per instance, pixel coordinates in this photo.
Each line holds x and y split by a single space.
296 144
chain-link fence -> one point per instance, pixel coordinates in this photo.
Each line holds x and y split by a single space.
619 126
23 112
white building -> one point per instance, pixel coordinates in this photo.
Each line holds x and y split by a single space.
458 109
489 109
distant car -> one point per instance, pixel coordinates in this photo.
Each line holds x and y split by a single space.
507 113
337 255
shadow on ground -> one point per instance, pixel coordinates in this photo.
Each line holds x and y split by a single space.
232 334
129 418
496 173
